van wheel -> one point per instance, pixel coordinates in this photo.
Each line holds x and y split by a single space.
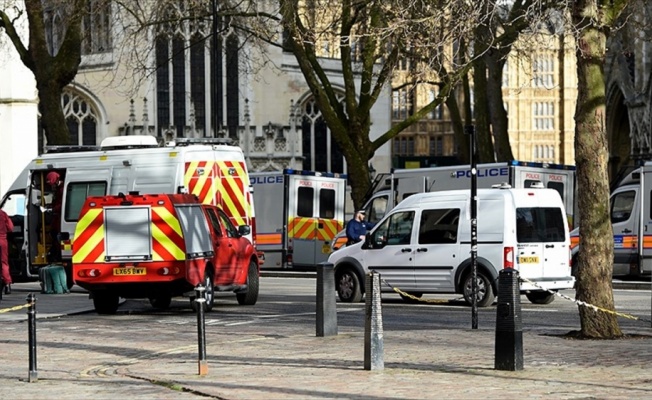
348 286
540 297
485 295
105 303
209 293
160 303
409 297
250 297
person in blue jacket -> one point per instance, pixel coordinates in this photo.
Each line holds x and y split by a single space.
356 228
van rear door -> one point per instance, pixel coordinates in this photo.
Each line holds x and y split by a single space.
560 179
542 249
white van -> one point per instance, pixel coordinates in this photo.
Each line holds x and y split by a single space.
424 245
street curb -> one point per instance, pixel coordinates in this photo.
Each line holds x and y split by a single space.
288 274
617 284
631 285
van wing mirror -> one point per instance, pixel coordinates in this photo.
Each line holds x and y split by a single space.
244 230
371 242
64 236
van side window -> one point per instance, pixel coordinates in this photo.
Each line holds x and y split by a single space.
559 187
395 230
377 209
77 192
305 197
621 206
540 224
439 226
214 221
327 203
231 231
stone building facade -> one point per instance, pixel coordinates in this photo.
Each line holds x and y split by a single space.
261 100
628 71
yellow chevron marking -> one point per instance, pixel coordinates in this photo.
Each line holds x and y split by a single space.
169 245
169 219
86 220
89 246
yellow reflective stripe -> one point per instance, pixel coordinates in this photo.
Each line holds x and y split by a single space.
86 220
169 219
299 224
232 196
156 256
201 179
169 245
94 241
190 171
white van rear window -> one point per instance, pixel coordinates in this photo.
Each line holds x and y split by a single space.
540 224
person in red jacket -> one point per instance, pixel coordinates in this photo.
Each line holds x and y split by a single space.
6 226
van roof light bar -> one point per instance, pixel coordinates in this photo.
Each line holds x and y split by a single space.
69 148
207 141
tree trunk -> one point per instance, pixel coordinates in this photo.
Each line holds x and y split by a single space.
52 118
461 139
485 146
495 61
595 260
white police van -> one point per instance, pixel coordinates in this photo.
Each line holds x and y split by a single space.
424 245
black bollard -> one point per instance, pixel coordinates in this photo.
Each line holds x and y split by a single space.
200 299
31 331
326 308
509 327
373 332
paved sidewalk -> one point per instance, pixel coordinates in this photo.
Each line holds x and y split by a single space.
291 363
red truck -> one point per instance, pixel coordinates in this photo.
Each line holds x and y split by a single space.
159 246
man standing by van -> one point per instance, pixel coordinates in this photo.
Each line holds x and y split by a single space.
6 226
356 228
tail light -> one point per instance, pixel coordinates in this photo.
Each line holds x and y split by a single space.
288 257
508 257
91 273
169 271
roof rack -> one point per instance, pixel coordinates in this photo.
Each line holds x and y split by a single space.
69 148
189 141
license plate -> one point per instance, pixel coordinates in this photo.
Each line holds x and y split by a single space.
528 260
325 249
129 271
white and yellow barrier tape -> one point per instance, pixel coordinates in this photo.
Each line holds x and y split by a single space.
415 298
15 308
585 304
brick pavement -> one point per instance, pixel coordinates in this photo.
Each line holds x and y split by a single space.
291 363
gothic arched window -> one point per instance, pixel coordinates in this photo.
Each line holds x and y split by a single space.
81 118
185 88
321 152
